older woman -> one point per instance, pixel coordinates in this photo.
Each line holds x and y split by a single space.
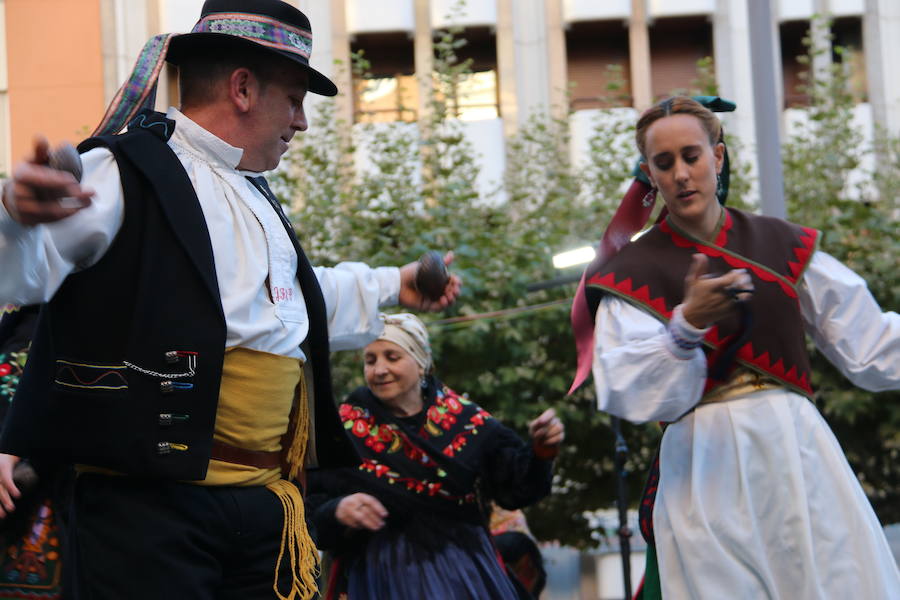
700 323
409 523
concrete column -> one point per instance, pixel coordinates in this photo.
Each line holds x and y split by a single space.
881 32
821 33
533 83
506 67
424 58
341 70
556 46
639 56
331 53
731 49
125 26
5 137
767 82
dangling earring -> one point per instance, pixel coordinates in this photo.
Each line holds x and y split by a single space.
423 383
718 185
649 198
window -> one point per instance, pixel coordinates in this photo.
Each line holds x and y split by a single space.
388 90
598 66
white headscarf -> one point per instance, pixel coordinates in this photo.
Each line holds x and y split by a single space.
408 331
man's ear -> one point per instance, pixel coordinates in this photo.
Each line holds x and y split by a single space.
242 89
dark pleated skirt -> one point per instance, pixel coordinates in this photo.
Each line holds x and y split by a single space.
392 568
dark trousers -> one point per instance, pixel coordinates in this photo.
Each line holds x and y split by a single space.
139 539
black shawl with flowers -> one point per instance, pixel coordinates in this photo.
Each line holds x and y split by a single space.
428 470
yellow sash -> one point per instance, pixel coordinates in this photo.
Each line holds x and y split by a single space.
255 412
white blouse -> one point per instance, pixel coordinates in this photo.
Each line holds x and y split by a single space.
254 258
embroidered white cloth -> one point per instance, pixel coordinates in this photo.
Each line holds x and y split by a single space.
250 248
756 498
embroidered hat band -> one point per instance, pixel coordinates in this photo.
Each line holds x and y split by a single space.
260 29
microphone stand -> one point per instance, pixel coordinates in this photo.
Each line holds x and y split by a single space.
624 531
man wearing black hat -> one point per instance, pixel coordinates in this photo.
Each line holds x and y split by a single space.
181 360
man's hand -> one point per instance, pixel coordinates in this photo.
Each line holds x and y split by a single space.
8 489
547 433
410 297
707 299
361 511
38 194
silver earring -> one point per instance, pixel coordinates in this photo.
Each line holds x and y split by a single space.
423 383
649 198
718 184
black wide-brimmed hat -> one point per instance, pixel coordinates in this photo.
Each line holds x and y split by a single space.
271 24
231 25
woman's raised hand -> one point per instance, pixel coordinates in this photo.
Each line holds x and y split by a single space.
361 511
708 298
547 433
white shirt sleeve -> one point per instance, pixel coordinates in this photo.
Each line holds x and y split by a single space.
35 260
640 372
848 326
354 293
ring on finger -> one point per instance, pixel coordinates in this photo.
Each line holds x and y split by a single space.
734 293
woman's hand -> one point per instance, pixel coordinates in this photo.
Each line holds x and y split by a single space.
8 489
361 511
708 299
547 433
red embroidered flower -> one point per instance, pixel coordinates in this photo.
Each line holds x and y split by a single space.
381 470
433 488
448 451
385 434
459 441
411 452
360 428
5 370
453 405
435 415
477 419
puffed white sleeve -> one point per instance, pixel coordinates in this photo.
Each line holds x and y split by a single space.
643 369
35 260
354 294
848 326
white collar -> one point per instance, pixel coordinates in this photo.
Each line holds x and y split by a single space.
201 143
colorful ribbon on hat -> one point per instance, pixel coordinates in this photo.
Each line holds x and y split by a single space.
139 90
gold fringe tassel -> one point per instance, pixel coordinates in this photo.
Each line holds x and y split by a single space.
298 432
295 540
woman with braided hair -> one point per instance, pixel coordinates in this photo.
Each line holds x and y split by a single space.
701 323
409 522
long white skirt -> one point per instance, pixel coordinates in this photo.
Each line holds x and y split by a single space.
756 500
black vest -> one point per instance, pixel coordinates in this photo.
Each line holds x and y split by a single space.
97 388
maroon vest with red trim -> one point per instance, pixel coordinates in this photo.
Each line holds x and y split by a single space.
650 271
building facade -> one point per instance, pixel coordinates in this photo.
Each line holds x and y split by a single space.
61 61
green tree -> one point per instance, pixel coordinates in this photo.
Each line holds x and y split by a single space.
860 229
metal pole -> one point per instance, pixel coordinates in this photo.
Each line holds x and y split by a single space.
765 104
622 504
